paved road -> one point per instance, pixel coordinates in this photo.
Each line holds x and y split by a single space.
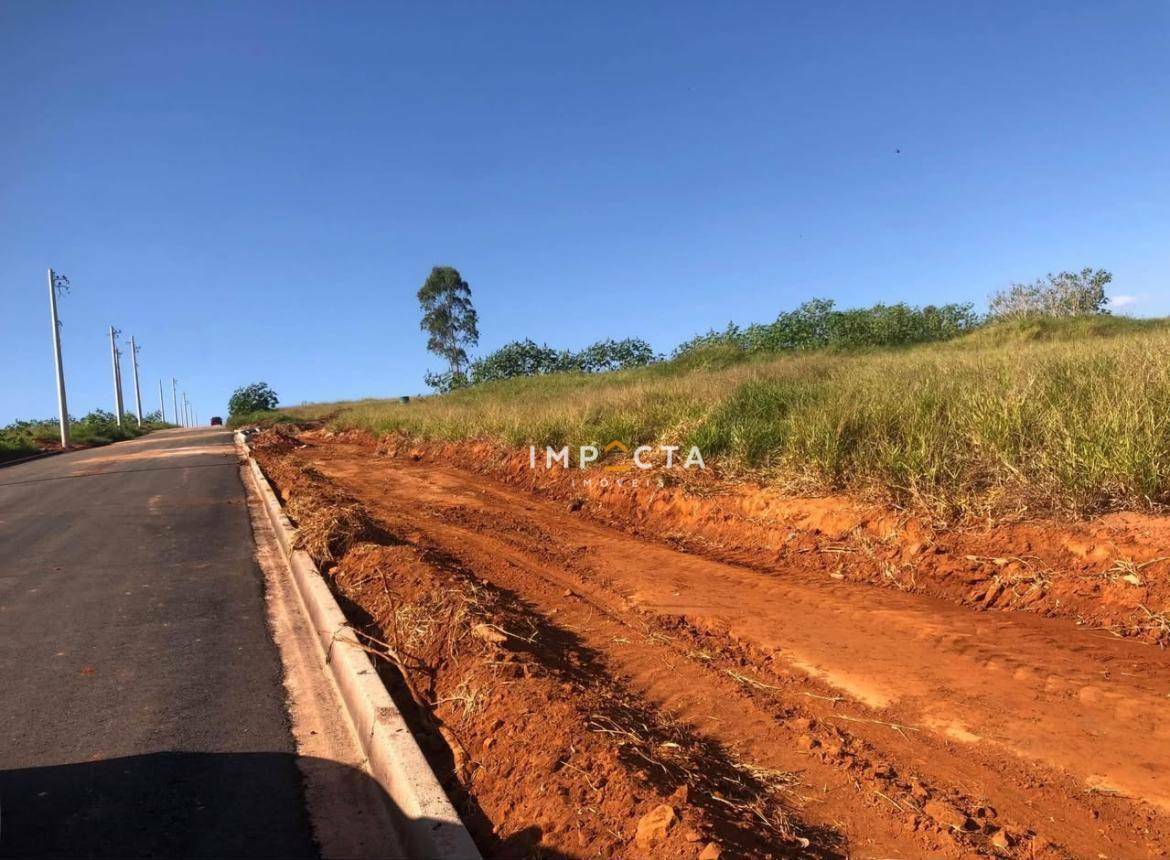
141 706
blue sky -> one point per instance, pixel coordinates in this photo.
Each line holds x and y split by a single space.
257 190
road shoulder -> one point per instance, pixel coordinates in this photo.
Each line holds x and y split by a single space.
349 813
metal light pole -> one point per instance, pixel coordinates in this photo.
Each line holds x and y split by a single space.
162 403
59 282
137 391
117 373
175 399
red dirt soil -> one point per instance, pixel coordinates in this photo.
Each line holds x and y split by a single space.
1112 573
726 655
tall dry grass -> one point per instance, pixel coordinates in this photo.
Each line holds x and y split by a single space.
1072 416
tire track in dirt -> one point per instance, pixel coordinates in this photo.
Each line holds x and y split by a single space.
885 700
544 750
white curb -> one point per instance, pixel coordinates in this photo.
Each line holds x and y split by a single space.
432 827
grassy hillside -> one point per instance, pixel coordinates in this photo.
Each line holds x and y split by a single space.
1070 415
22 438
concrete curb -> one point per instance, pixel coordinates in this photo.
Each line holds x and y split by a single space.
432 827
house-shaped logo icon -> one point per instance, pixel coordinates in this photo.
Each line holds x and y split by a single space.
615 445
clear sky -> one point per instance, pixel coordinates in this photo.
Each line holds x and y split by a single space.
257 190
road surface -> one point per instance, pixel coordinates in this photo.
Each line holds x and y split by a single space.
143 706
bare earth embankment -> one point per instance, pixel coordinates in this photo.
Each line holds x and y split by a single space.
679 672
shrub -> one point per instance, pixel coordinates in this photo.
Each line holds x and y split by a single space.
257 397
1034 415
98 427
1064 295
817 324
527 358
445 381
18 439
263 418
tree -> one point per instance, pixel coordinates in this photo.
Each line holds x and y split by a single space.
257 397
518 358
610 354
451 324
818 324
1065 295
527 358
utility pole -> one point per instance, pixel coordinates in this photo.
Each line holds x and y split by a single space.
175 399
59 282
162 403
118 370
186 420
117 373
137 391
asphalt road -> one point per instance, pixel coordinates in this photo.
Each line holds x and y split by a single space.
141 707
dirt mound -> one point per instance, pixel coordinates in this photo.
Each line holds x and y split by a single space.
538 732
871 722
1111 573
539 745
327 521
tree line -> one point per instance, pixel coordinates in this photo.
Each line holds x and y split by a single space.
452 326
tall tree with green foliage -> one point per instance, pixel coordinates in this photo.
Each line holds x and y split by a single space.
451 324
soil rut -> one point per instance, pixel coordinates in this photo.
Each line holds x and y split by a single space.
897 709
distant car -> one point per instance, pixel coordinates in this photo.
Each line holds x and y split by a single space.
216 421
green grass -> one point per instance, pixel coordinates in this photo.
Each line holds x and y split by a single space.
13 448
23 438
265 418
1065 415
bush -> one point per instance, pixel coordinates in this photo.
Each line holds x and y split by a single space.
818 324
98 427
18 439
606 355
527 358
263 418
257 397
1065 295
1030 416
445 381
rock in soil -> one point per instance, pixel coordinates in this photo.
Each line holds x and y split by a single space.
1001 840
653 826
946 815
